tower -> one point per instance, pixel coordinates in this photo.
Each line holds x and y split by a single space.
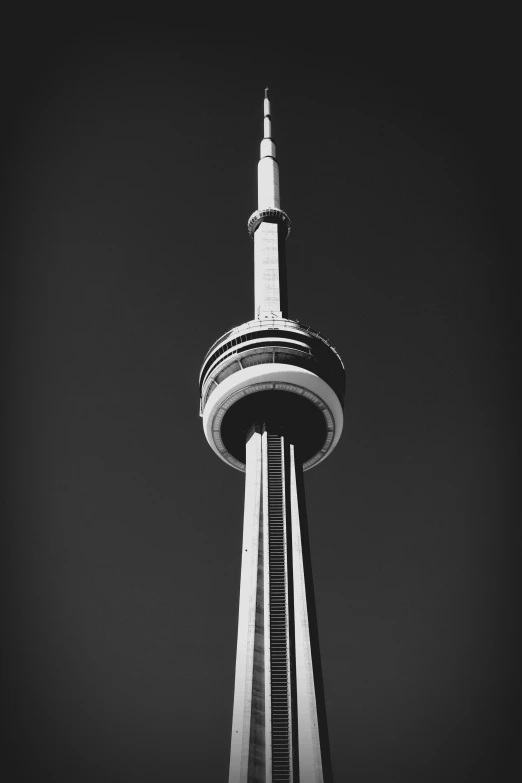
272 393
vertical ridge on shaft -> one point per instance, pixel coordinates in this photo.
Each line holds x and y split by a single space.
248 739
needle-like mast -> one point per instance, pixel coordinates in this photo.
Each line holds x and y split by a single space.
269 226
267 170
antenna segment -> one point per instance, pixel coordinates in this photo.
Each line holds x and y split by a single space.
268 196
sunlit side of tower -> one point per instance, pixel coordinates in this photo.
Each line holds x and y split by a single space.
272 393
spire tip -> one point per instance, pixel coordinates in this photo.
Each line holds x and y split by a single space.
266 93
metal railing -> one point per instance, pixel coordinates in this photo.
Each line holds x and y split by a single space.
283 324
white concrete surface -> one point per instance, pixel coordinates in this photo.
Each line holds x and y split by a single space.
267 292
268 194
266 615
241 717
310 764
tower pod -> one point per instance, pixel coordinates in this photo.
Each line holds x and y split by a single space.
278 371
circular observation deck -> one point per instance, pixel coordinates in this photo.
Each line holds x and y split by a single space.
276 371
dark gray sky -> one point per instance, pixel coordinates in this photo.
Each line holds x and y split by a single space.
131 172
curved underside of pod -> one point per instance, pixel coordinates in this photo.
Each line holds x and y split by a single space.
290 400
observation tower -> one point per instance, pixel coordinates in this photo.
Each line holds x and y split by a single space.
272 393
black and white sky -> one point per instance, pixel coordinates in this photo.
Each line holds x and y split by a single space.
131 151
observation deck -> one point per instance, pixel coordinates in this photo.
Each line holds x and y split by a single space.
275 370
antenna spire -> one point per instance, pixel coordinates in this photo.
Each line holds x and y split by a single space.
268 170
267 117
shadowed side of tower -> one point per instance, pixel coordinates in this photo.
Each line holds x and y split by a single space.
272 394
313 629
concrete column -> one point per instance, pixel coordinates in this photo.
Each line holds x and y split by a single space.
310 762
267 282
268 194
247 742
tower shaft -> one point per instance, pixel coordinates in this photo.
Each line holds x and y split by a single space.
278 728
